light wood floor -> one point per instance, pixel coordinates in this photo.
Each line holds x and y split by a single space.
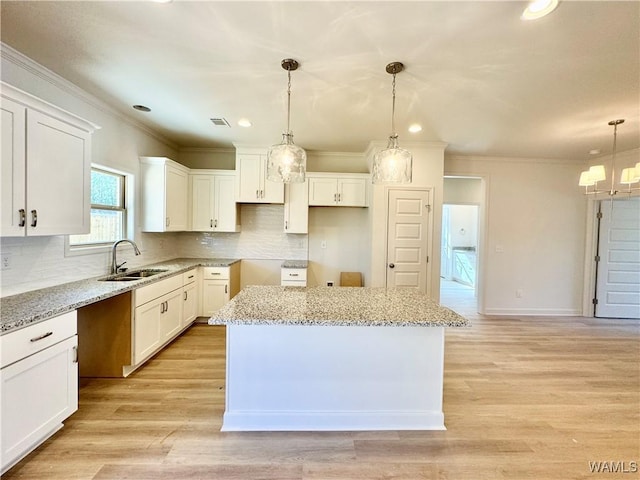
525 398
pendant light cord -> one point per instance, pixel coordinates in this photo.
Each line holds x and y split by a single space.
288 101
393 106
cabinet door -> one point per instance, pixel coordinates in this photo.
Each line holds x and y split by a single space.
37 394
272 192
322 192
225 210
189 304
146 330
352 192
248 180
176 191
58 177
171 315
202 193
296 208
215 293
12 175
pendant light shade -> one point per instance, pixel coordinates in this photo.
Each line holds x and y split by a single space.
287 162
393 164
597 173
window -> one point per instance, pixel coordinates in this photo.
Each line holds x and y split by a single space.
108 210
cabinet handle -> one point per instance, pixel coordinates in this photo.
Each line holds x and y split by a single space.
215 273
34 218
211 223
293 274
167 304
75 355
23 217
261 193
41 337
191 276
168 222
162 307
286 224
335 197
215 223
257 193
226 289
185 296
339 197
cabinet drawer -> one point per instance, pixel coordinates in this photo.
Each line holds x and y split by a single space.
293 283
189 277
295 274
155 290
27 341
215 273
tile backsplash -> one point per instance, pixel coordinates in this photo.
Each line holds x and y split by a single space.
39 262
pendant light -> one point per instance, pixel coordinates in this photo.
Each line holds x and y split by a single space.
286 162
591 177
393 164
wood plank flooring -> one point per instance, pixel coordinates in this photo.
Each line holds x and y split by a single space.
525 398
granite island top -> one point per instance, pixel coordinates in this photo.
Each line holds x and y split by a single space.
334 306
24 309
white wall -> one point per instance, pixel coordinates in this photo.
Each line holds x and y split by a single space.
535 234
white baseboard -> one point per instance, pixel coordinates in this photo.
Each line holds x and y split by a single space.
537 312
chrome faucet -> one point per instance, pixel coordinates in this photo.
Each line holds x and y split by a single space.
114 264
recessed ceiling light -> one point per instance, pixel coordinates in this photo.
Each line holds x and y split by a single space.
142 108
162 1
538 9
415 128
243 122
595 151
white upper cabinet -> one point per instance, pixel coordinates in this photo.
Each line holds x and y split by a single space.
338 189
213 204
46 168
252 185
296 207
165 188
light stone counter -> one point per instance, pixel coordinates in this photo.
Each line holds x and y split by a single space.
335 306
24 309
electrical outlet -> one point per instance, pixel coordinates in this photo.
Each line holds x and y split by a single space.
519 293
329 283
323 244
6 261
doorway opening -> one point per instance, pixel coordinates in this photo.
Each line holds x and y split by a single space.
460 243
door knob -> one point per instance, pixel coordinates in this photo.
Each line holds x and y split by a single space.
391 265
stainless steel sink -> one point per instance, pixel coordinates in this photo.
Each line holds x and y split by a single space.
131 276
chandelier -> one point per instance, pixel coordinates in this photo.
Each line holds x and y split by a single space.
286 162
595 174
393 164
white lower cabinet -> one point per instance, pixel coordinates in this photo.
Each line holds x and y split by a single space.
39 384
189 297
157 316
293 277
219 285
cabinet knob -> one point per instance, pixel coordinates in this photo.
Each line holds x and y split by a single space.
391 265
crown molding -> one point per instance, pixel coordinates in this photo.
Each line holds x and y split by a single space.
19 59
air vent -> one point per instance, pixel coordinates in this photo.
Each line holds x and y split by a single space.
220 122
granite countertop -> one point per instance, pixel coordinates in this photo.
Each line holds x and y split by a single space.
334 306
295 264
21 310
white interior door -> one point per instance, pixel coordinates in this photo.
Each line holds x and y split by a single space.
407 239
618 271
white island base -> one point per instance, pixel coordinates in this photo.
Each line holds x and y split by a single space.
319 377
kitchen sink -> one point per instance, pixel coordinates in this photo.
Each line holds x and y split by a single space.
131 276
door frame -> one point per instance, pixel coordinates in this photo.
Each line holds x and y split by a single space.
430 235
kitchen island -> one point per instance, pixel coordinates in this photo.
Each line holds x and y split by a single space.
334 358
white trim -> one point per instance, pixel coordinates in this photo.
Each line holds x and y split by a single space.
536 312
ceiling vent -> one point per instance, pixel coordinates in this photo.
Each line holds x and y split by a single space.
220 122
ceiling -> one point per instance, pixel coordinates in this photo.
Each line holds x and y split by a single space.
476 75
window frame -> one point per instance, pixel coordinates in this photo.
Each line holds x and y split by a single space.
126 200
